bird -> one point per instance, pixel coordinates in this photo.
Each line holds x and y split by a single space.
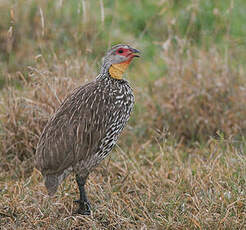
86 126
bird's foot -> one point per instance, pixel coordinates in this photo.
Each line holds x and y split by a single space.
84 207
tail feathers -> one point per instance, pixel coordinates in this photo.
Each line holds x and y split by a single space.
51 183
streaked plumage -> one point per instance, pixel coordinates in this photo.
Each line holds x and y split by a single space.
86 126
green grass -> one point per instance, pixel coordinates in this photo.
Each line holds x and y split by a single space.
180 163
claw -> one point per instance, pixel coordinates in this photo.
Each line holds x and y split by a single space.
84 207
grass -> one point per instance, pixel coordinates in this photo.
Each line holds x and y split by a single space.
167 188
180 163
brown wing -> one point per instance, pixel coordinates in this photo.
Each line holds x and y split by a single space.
74 131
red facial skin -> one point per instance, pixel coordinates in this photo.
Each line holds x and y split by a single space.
126 53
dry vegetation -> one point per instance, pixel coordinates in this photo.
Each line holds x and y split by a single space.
201 96
149 191
181 162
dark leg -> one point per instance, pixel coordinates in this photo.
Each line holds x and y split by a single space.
84 204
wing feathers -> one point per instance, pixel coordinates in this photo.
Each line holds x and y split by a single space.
74 131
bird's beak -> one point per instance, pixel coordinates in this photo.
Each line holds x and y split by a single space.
135 52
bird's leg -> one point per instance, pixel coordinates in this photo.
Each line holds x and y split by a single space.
84 204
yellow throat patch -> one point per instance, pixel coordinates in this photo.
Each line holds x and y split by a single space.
116 70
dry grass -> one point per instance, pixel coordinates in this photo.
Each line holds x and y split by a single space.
199 96
166 189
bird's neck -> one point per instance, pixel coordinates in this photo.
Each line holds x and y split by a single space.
117 70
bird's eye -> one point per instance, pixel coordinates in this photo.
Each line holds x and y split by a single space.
120 51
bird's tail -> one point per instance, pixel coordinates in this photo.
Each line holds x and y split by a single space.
51 183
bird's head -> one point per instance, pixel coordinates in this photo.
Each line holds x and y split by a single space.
117 60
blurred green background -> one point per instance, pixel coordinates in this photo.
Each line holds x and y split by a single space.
66 28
